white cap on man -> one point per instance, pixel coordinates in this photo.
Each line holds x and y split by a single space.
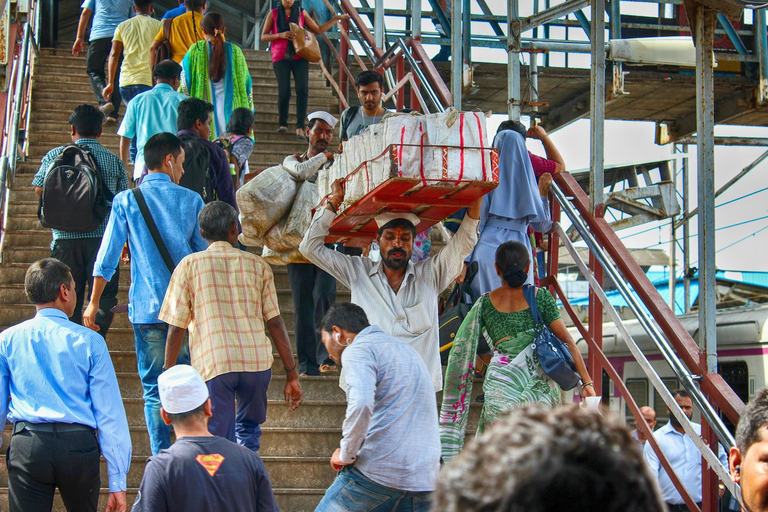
323 116
385 218
181 389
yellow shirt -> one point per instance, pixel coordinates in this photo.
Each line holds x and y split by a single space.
184 33
223 296
136 34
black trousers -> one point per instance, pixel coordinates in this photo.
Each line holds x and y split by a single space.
300 69
313 291
95 62
80 255
39 462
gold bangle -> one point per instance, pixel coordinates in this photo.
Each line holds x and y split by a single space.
590 383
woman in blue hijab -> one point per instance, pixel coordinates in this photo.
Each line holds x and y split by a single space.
508 210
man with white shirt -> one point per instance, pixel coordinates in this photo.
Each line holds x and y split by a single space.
682 454
389 456
396 294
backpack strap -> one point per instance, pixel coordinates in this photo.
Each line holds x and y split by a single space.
137 193
530 296
348 116
167 28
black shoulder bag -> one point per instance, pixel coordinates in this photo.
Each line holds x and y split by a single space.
153 229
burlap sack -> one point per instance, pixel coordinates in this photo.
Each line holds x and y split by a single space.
300 216
265 200
282 258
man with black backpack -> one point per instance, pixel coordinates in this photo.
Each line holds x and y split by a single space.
76 184
206 165
158 219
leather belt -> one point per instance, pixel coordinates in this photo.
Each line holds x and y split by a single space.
50 427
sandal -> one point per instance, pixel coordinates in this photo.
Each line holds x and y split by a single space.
328 368
282 129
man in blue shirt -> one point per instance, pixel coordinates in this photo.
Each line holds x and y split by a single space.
151 112
390 452
174 211
176 11
194 125
62 388
78 249
107 15
682 454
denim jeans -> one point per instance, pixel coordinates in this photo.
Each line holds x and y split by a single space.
249 390
128 92
150 356
352 491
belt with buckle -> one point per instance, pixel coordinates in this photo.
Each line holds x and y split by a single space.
50 427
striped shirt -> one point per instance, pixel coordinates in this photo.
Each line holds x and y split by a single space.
223 296
409 315
112 173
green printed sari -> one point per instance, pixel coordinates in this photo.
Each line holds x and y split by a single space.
514 376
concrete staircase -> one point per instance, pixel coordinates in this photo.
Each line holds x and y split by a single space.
295 447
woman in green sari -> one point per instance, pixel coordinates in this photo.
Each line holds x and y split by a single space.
514 376
216 71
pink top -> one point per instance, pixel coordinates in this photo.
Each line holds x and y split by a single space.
542 165
278 46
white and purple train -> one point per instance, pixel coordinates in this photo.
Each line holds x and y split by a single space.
742 354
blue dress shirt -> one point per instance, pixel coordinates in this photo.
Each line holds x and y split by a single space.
57 371
684 458
107 15
174 210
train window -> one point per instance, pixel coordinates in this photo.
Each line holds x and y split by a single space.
638 388
662 416
736 374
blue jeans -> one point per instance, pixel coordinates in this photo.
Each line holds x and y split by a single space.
244 425
352 491
150 357
128 92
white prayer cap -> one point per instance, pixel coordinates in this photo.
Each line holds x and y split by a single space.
385 218
323 116
181 389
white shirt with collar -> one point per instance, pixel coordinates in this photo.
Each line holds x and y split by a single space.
410 314
685 459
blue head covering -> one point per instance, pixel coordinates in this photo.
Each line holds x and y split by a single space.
517 196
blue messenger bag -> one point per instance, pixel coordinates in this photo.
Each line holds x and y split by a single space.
555 358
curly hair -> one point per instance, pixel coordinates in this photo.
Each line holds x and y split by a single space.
547 460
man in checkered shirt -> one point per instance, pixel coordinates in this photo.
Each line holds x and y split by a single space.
78 249
225 296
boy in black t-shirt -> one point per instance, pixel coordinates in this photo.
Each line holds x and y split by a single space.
200 472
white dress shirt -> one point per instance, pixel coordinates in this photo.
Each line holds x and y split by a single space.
410 314
684 458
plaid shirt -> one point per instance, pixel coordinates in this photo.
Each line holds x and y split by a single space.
224 296
112 172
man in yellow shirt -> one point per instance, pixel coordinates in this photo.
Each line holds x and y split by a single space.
184 31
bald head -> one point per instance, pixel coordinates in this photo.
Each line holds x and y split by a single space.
650 417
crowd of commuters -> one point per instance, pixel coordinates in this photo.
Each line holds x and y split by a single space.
202 308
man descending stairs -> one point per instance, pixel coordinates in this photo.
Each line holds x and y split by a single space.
295 446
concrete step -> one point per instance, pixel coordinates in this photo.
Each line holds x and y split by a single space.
284 472
293 500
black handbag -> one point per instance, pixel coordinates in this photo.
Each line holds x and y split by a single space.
555 358
453 310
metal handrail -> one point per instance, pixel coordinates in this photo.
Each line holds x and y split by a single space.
19 108
387 54
645 319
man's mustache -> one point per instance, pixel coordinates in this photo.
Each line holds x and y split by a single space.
396 251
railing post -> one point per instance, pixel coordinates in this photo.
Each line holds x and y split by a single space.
456 59
597 107
416 30
378 25
595 313
513 60
400 73
344 52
